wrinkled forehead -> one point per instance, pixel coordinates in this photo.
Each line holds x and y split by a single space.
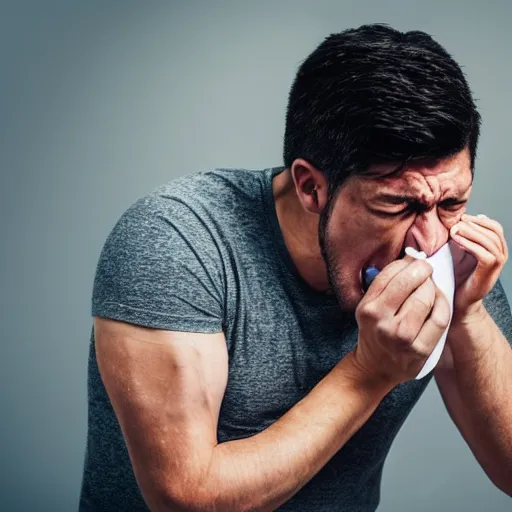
429 180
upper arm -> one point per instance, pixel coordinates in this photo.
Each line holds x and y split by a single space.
166 389
159 308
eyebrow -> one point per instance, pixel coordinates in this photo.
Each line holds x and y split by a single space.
399 199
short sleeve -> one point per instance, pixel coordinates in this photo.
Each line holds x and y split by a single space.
161 267
497 305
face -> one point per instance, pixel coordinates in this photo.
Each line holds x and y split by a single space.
371 220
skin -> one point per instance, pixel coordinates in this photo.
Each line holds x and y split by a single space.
166 387
358 233
474 373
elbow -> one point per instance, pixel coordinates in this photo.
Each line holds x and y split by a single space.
188 499
501 477
504 483
201 501
205 492
504 487
177 497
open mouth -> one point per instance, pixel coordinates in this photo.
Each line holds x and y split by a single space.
362 278
367 265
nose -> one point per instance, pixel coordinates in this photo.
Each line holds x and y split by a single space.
428 233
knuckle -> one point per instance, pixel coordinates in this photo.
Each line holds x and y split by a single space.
420 269
440 320
422 300
422 304
401 327
404 335
426 268
367 311
491 259
423 351
425 295
440 316
496 238
498 227
426 265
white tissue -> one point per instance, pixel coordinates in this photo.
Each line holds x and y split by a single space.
444 277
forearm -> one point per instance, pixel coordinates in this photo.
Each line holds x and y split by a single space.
482 360
263 471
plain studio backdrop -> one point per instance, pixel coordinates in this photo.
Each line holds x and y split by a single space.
101 102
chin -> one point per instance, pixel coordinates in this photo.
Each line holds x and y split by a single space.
349 296
354 301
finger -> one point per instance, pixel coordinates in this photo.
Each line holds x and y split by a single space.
484 276
491 225
402 285
414 311
464 262
481 247
488 232
485 237
388 272
486 222
434 326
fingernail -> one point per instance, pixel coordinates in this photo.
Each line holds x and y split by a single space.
482 215
454 230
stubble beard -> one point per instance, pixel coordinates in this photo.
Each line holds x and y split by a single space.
338 284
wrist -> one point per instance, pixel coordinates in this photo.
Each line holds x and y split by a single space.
473 315
471 336
373 383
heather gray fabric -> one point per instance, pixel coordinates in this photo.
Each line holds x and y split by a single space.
204 253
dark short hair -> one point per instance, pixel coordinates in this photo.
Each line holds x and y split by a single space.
376 95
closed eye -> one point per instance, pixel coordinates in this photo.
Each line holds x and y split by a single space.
451 206
392 214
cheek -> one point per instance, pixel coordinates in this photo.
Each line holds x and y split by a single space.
352 231
452 218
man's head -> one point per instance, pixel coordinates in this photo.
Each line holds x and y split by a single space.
374 114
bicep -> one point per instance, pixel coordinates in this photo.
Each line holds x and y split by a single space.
166 389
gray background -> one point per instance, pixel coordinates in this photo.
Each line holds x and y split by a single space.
100 102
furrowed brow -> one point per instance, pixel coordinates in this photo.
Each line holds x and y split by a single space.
397 199
401 198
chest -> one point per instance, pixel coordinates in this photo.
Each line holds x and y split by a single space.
278 351
280 345
278 354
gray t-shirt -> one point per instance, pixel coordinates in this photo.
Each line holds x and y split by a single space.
205 253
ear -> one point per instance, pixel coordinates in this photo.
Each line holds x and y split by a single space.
310 185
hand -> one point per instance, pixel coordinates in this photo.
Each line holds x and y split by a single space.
479 251
401 318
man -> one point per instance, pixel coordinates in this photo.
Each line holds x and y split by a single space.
236 362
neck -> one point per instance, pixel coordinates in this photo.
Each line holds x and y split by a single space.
300 232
